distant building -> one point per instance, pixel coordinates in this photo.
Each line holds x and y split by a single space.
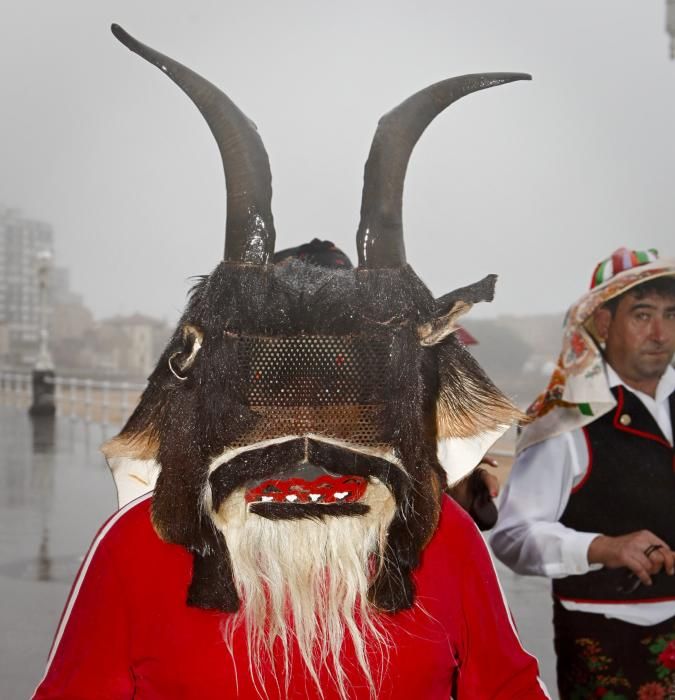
132 343
123 346
59 288
518 352
21 240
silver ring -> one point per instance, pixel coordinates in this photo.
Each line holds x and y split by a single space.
652 548
173 371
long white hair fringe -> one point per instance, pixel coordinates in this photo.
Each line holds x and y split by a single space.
307 580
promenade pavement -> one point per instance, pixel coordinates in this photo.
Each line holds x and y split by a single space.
55 491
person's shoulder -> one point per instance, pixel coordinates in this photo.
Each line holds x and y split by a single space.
556 444
452 514
130 523
456 548
455 525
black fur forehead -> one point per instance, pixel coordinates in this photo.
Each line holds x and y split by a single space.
298 297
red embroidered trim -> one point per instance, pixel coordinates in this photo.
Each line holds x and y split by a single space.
590 462
633 431
326 489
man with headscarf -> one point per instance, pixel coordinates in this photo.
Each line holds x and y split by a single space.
590 501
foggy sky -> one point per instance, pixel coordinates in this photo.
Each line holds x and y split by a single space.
534 181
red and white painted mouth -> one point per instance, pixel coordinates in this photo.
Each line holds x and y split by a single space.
327 489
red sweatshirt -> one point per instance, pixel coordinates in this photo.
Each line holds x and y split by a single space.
126 631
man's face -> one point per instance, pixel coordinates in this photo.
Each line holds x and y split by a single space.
641 337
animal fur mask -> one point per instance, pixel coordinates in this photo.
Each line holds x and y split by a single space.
301 399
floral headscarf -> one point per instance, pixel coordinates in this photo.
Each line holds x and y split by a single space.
578 391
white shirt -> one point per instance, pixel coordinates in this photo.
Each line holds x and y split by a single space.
528 536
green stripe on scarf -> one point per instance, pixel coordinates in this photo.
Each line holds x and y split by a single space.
585 409
600 274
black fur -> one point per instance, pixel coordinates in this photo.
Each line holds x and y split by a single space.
313 511
483 290
253 465
212 586
194 421
468 400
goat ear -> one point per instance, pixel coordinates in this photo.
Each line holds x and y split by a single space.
450 307
468 403
191 343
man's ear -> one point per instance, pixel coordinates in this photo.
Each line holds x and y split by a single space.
182 359
602 318
450 307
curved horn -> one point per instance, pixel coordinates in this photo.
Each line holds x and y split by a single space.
379 239
249 231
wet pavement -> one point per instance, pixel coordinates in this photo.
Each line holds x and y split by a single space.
55 491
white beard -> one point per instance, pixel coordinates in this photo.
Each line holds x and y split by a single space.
307 580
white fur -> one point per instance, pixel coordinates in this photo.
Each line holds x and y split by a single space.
133 477
306 581
232 452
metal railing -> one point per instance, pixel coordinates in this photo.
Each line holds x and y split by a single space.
111 402
91 400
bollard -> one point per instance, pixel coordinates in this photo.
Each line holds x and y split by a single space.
43 393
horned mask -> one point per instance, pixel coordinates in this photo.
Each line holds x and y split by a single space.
296 410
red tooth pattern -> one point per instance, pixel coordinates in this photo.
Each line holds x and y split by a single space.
325 486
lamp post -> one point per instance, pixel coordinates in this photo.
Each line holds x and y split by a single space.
43 372
670 25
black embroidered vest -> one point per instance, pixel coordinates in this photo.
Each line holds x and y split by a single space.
629 486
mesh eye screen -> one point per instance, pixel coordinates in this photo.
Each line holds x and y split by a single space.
314 370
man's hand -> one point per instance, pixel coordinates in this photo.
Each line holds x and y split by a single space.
636 551
490 480
475 493
464 491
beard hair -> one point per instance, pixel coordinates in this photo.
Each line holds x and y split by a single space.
306 581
